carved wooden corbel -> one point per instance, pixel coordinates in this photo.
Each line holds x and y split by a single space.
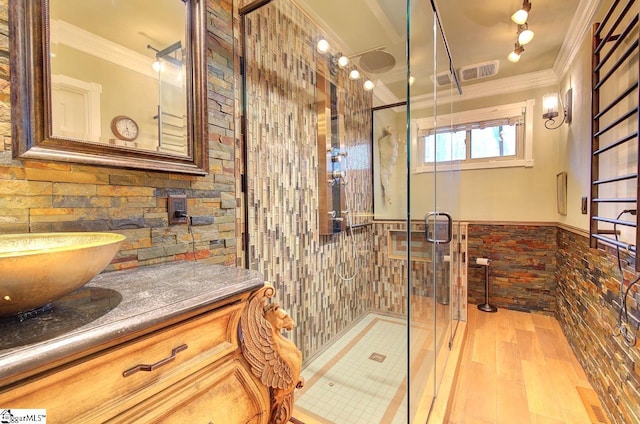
274 359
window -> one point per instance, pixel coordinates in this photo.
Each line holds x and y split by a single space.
483 138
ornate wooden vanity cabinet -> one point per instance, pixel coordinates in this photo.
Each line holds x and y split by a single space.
157 353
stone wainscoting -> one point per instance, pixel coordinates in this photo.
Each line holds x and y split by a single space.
522 272
588 310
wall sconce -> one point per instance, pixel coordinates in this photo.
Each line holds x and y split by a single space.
550 108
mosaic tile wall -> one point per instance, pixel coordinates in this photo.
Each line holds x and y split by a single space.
522 273
323 281
390 274
39 196
588 308
312 273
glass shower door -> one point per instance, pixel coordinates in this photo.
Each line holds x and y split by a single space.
433 205
335 207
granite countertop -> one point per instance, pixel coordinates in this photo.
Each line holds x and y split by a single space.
111 306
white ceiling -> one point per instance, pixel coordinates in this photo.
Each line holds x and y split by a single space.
476 31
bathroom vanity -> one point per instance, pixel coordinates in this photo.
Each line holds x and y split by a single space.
154 344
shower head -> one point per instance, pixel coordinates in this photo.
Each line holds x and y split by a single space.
168 50
377 61
165 53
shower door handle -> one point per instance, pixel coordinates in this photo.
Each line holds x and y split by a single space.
432 238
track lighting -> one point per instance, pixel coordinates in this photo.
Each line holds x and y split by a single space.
514 56
341 61
525 35
521 15
322 46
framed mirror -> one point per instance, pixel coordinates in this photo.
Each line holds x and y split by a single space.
110 82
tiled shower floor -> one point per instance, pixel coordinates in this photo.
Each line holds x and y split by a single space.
362 377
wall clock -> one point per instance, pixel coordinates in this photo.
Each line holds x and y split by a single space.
124 128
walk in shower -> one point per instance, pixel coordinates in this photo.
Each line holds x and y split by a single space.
345 210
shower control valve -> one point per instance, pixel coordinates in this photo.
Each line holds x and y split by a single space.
337 155
338 175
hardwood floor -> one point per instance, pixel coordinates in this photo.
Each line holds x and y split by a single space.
518 368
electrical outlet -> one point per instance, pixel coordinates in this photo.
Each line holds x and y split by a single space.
177 208
584 205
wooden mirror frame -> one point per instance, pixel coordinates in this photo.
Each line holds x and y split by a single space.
31 99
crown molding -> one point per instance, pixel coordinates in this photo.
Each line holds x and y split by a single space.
91 44
579 27
382 95
522 82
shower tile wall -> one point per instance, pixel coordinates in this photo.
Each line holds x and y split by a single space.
390 276
310 272
390 273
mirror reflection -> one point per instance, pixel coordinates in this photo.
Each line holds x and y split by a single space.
118 73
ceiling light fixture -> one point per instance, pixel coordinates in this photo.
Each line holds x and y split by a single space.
354 74
521 15
343 61
369 85
514 56
525 35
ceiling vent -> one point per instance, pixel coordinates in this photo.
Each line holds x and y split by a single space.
443 78
479 70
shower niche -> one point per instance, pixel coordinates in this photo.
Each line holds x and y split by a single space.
332 174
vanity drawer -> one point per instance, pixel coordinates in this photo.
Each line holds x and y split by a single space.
107 383
225 392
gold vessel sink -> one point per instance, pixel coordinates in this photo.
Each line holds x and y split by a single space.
38 268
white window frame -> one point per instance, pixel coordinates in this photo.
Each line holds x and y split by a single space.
478 115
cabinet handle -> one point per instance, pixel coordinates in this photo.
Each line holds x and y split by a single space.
153 367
